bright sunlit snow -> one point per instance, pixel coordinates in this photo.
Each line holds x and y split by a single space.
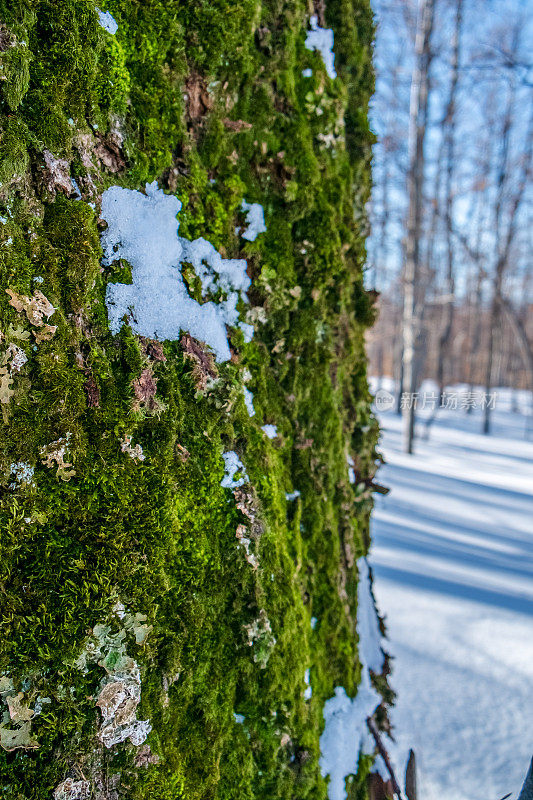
143 230
255 220
249 401
233 466
346 732
107 21
370 652
453 569
270 430
321 39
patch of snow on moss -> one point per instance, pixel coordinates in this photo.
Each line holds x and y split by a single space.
107 21
255 220
143 230
351 470
233 465
345 732
370 652
23 473
270 430
249 401
321 39
290 496
308 693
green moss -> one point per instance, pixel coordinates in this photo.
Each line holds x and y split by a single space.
159 534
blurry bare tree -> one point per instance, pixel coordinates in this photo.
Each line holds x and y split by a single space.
451 241
412 302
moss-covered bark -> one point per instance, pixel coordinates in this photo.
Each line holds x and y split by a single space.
208 98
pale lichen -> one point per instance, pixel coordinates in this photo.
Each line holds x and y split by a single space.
120 693
70 789
15 724
136 453
261 638
53 454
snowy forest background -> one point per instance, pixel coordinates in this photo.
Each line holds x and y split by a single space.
449 256
474 287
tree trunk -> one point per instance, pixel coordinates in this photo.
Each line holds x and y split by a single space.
178 522
449 138
417 133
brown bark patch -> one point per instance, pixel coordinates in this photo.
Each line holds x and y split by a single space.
93 392
7 39
108 151
236 125
204 368
144 388
152 349
198 100
55 175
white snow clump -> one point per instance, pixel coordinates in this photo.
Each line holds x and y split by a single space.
233 464
321 39
249 401
107 22
345 732
143 230
255 220
270 430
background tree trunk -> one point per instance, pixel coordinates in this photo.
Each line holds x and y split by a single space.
417 132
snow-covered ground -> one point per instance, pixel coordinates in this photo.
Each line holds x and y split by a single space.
453 566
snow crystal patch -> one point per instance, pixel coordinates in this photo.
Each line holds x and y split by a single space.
313 623
233 464
249 401
107 22
270 430
307 73
292 495
77 193
321 39
370 652
346 731
351 470
344 734
143 229
23 473
309 691
239 718
255 220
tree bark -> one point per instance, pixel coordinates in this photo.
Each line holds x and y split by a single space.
177 518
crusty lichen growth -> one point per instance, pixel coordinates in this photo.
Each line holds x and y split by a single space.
123 437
